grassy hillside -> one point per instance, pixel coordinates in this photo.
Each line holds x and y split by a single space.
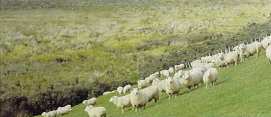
242 91
57 52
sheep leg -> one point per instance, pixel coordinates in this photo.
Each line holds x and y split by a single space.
214 83
169 96
135 108
122 110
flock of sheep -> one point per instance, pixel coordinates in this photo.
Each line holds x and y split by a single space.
59 111
174 79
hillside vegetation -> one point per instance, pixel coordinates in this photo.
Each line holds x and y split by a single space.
242 91
58 52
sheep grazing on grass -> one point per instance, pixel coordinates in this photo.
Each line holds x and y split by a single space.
210 77
173 86
192 78
139 98
143 83
127 88
63 110
95 111
121 102
49 114
91 101
120 90
268 53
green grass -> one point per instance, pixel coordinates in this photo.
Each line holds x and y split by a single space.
121 40
242 91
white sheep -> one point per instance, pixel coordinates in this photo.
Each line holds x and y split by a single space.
196 63
165 73
127 88
268 53
143 83
95 111
171 70
178 74
179 67
253 48
139 98
152 77
266 41
173 86
231 58
192 78
120 90
108 92
91 101
49 114
217 60
63 110
121 102
242 51
161 84
210 76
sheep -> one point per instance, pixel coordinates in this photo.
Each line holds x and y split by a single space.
49 114
121 102
91 101
143 83
242 50
178 74
139 98
165 73
63 110
161 84
253 48
95 111
127 88
231 57
179 67
268 53
152 77
171 70
120 90
155 81
210 76
108 92
266 41
173 86
196 63
192 78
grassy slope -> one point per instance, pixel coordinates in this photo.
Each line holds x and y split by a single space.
36 38
243 91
